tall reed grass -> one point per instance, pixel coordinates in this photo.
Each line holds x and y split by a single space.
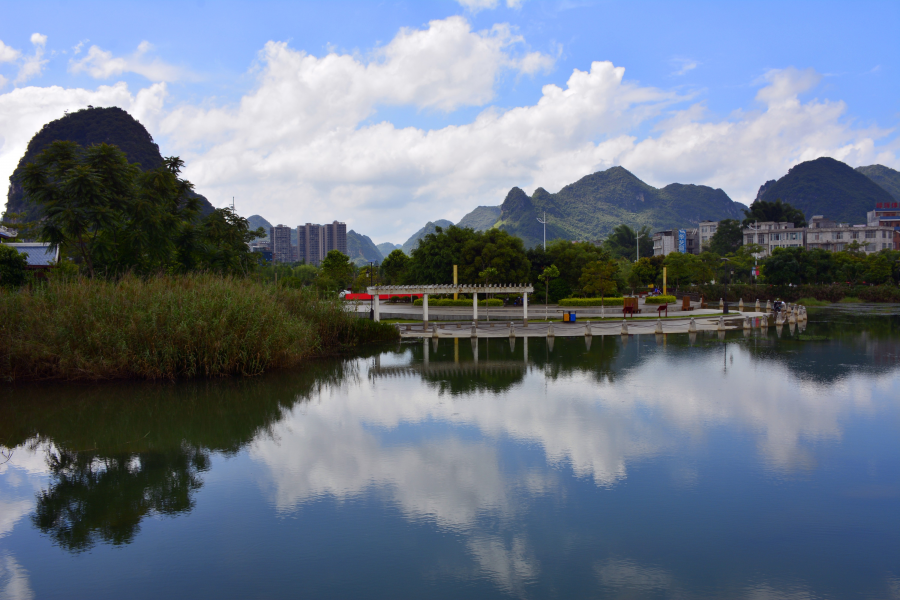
169 327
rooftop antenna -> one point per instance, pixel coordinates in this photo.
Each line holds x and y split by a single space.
544 223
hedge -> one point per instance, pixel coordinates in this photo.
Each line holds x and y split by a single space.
590 302
460 302
660 300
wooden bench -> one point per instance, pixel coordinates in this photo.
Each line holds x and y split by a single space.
686 303
662 308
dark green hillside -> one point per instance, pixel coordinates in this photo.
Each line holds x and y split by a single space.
429 228
590 208
828 187
361 249
87 127
257 221
480 219
887 178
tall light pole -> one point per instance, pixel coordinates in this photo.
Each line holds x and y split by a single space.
544 223
637 243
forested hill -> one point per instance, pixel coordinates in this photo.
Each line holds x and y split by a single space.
413 241
592 206
481 218
362 249
87 127
887 178
828 187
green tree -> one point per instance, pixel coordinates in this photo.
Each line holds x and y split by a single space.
394 267
598 279
549 273
778 211
114 217
571 259
783 267
648 270
622 242
367 275
473 251
336 270
728 237
13 265
684 269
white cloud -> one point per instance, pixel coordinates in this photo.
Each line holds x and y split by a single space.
8 54
33 65
14 581
306 142
101 64
478 5
475 6
683 65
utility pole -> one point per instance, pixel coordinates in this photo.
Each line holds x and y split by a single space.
544 223
637 243
371 282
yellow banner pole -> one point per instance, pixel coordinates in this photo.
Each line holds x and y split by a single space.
664 281
455 282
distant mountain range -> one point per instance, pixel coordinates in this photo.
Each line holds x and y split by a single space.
828 187
87 127
592 206
387 247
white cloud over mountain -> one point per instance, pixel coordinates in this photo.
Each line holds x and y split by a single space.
306 142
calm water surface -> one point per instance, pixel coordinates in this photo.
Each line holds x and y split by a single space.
652 467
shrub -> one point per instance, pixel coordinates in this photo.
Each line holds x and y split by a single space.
460 302
660 300
590 302
169 328
13 265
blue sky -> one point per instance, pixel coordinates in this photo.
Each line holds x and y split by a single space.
386 115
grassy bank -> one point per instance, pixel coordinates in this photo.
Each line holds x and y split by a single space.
169 328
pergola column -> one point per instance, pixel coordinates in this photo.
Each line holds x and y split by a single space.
475 306
424 311
524 306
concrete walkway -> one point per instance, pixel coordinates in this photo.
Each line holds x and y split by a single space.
705 321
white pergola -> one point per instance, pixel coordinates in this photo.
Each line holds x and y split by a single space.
425 290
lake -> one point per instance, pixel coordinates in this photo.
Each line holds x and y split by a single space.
760 466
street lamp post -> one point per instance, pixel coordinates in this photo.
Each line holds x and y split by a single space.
544 223
371 282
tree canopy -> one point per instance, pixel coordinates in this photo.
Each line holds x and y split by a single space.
622 242
728 237
777 211
114 218
473 251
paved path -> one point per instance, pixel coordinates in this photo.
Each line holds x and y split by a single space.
703 322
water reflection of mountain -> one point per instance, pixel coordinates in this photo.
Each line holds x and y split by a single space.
118 453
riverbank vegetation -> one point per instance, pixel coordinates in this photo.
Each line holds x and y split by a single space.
148 287
170 327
